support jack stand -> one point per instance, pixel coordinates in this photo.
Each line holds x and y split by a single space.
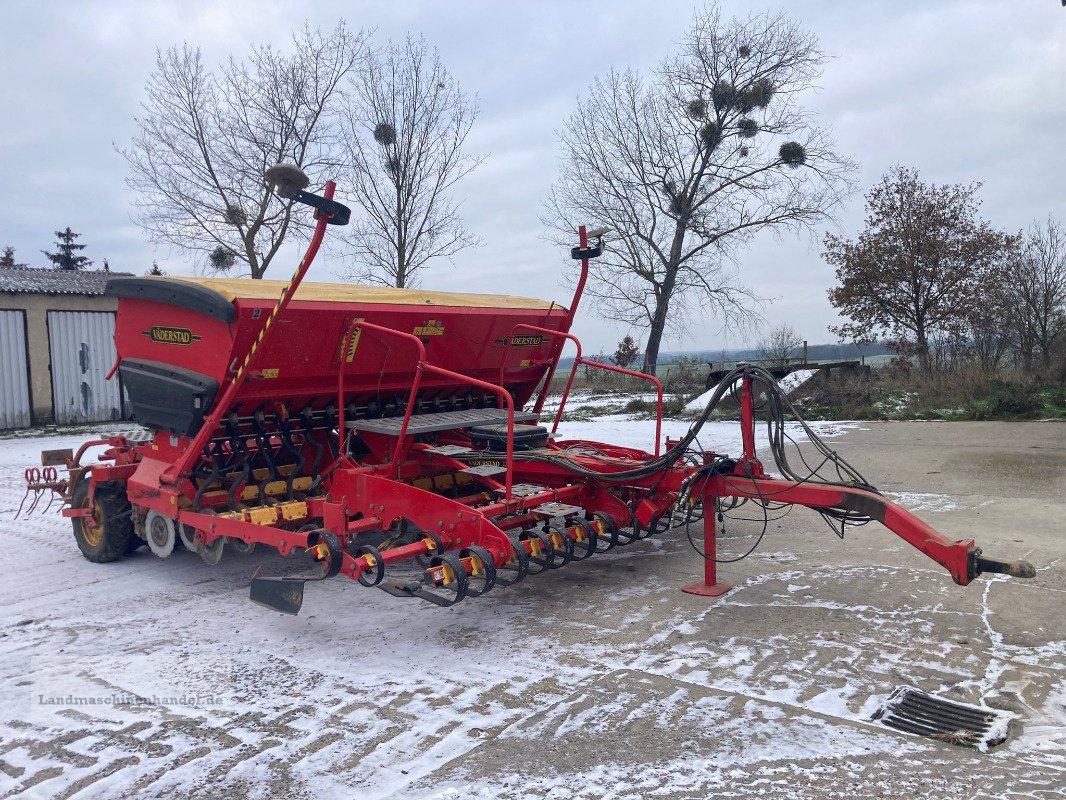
709 586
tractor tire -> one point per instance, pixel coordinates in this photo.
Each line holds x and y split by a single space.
105 536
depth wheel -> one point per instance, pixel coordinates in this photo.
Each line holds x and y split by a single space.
161 533
240 547
105 535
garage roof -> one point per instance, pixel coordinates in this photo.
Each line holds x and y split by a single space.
27 280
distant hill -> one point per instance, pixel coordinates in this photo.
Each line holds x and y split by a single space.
815 352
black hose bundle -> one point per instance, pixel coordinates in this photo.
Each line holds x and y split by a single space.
777 407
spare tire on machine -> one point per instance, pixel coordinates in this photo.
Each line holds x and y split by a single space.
105 535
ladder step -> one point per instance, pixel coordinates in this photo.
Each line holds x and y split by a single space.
484 470
448 450
556 509
523 490
443 421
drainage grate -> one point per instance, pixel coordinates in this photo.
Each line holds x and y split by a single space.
914 711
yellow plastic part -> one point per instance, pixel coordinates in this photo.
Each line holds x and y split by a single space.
242 289
295 510
267 515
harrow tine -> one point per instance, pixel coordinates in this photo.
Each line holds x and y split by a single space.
563 544
37 495
609 533
444 570
518 564
540 549
482 570
585 540
22 503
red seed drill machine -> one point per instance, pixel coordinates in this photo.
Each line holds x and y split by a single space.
374 429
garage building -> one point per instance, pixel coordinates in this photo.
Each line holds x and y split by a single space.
56 347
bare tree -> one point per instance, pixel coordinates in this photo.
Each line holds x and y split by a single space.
687 164
779 345
1037 288
406 148
207 136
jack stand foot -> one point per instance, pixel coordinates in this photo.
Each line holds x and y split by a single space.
705 590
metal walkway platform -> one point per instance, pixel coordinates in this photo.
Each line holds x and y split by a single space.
443 421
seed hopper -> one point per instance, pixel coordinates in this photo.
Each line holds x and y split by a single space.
399 438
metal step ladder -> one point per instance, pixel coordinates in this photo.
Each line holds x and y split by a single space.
441 421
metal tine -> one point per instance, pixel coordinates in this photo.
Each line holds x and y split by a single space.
22 503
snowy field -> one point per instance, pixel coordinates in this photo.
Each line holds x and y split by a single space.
150 678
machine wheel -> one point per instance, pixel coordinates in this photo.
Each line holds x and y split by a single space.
240 547
187 535
105 535
161 534
212 553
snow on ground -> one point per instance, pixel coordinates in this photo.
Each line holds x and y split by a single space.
794 380
700 403
149 678
923 501
719 437
598 401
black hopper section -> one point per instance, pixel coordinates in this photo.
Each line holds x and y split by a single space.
167 398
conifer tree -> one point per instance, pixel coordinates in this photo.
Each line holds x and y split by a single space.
66 255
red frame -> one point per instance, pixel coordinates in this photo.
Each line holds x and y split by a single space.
356 497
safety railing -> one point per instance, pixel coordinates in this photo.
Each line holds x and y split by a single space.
422 367
580 361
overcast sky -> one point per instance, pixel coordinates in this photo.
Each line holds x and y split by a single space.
962 91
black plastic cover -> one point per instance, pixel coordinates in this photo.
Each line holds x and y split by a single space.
165 397
183 294
494 437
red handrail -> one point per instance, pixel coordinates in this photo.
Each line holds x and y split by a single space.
210 424
579 361
538 329
579 290
424 366
611 368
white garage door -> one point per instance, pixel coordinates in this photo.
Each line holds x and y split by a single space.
82 347
14 377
